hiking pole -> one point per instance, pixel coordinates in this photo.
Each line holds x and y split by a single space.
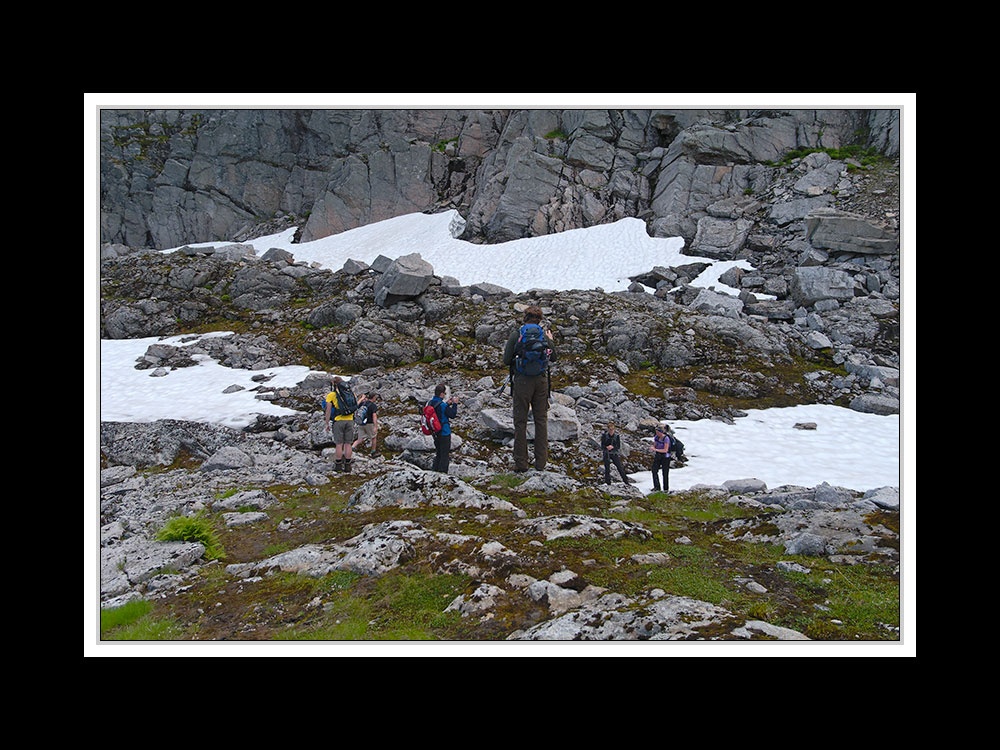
510 381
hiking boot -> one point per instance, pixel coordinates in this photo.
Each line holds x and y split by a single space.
347 465
338 465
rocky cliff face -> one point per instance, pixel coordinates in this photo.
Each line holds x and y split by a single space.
170 177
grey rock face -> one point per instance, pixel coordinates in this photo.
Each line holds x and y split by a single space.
175 177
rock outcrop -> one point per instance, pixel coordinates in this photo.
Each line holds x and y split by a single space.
170 177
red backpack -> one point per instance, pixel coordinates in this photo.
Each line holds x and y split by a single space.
430 424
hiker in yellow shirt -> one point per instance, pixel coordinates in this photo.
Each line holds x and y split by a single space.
340 403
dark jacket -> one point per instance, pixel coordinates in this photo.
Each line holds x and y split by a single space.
615 441
508 350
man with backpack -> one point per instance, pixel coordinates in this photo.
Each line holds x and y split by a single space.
444 411
340 404
529 352
366 420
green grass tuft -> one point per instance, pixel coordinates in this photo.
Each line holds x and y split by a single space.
195 528
134 621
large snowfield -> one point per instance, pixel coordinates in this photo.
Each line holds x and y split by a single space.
847 449
598 257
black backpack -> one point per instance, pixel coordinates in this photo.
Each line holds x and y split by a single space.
531 353
347 402
676 446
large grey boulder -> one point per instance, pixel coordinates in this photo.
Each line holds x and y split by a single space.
840 231
810 284
562 422
720 238
227 458
406 277
884 497
875 403
887 375
714 302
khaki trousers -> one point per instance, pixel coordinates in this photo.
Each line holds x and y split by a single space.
531 393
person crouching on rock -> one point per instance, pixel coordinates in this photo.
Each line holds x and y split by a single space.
611 444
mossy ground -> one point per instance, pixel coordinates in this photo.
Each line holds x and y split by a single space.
834 602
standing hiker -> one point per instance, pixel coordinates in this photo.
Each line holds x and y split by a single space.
341 405
661 458
528 355
446 411
366 419
611 444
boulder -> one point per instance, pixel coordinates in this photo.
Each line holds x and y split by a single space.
353 267
226 458
841 231
486 289
720 238
563 422
714 302
884 497
277 255
810 284
406 277
743 486
875 403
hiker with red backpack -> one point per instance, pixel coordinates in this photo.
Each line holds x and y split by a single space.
435 419
529 351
